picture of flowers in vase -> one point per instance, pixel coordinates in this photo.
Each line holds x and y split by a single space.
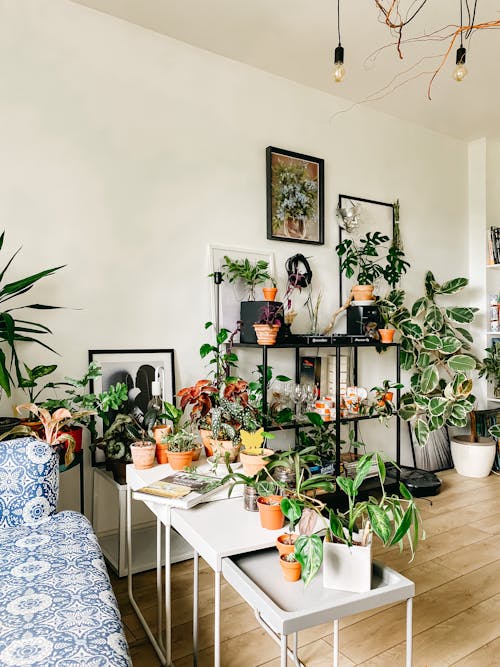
295 196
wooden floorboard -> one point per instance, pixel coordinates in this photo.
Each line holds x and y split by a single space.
456 610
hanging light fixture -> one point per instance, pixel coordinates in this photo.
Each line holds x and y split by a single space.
460 71
338 67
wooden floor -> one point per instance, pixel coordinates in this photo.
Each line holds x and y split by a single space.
456 609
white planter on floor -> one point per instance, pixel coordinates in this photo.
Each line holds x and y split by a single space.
347 568
473 459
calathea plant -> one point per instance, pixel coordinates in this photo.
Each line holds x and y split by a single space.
436 350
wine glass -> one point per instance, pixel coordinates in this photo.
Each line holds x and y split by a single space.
310 396
297 394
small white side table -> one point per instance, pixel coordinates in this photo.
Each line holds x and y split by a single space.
286 608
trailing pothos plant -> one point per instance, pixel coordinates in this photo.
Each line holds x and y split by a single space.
435 348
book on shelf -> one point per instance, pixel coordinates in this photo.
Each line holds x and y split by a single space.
494 245
184 489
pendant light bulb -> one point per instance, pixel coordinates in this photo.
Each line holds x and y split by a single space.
460 71
338 67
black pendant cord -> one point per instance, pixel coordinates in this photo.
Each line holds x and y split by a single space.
338 21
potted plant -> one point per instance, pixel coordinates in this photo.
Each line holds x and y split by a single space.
384 405
271 516
361 259
269 293
16 329
251 274
390 309
254 455
162 430
228 419
53 426
490 368
321 440
473 455
284 466
259 485
435 348
181 446
143 446
346 551
290 566
268 324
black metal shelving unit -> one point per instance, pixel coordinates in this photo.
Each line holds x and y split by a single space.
354 343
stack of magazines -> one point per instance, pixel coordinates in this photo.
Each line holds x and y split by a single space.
185 489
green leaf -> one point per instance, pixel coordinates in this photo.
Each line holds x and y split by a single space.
495 430
4 373
421 432
407 360
453 286
431 342
458 412
462 315
434 319
309 553
25 283
403 527
450 344
436 422
381 524
419 306
362 469
424 359
283 378
292 509
315 419
429 380
412 329
222 336
407 412
422 401
381 467
405 492
461 362
346 484
205 350
465 333
437 405
336 526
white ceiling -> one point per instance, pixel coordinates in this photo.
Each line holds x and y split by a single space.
295 39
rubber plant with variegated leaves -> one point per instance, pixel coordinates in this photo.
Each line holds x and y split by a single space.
436 349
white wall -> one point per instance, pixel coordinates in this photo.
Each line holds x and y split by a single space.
125 153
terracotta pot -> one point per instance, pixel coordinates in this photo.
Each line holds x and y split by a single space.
386 335
362 292
271 516
269 293
76 432
253 463
197 453
162 452
179 460
143 455
34 425
291 571
206 436
222 446
160 431
283 548
266 333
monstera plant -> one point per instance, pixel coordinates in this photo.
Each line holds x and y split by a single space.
435 348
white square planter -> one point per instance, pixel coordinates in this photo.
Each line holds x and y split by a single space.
347 568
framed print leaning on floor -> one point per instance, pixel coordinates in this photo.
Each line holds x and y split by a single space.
295 197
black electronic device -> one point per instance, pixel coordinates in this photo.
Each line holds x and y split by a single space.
363 320
420 483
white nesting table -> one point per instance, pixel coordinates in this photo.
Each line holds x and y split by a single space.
216 530
286 608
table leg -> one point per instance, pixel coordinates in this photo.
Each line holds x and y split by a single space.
159 599
409 631
336 642
217 620
283 651
195 608
168 606
158 647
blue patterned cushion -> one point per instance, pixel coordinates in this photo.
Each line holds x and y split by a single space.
29 481
57 607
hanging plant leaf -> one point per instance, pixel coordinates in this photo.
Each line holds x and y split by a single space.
422 432
453 286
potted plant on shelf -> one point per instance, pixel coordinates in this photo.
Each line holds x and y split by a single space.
384 405
321 440
250 274
259 485
268 324
361 259
181 446
290 566
254 455
391 310
227 420
269 293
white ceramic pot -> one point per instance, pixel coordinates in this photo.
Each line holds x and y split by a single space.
473 459
347 568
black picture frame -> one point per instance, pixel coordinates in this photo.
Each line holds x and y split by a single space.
302 229
351 200
135 367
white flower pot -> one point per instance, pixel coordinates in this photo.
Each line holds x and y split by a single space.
347 568
473 459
